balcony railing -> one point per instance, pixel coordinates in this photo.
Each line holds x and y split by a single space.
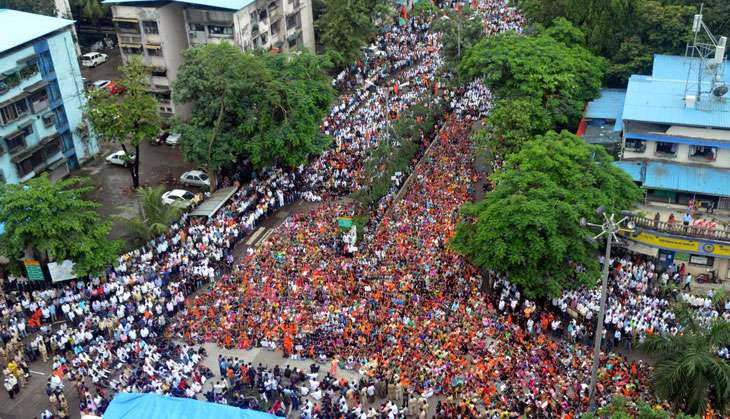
680 229
39 105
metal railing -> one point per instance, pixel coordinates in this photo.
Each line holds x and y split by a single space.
680 229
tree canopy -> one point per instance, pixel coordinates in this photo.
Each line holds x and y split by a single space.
128 118
629 32
529 226
540 82
347 25
689 373
54 222
267 107
155 218
460 30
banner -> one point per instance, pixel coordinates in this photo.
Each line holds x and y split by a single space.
681 244
33 269
61 272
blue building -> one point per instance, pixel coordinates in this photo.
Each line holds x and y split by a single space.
41 99
676 146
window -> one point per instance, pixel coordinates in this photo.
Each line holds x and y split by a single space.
636 146
220 30
292 21
254 17
293 42
264 38
39 100
13 111
150 27
26 166
197 27
127 27
61 116
154 52
49 120
666 149
275 27
701 260
2 177
53 92
263 14
132 50
30 69
52 148
702 153
16 142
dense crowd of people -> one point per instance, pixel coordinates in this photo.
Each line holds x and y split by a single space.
408 315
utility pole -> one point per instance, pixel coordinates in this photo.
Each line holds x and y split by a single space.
609 228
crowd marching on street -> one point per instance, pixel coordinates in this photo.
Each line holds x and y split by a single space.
426 333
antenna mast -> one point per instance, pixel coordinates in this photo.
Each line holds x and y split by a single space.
705 56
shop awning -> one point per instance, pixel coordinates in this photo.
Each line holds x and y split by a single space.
214 202
685 178
130 45
632 168
153 46
125 19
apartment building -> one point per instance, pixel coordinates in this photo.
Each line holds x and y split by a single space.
158 32
41 99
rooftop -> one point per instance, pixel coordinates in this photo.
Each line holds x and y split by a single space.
678 177
21 27
608 105
219 4
659 98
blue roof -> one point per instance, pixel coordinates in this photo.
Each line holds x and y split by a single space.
153 406
609 104
632 168
21 27
220 4
683 178
659 98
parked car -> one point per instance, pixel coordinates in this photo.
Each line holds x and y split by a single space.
178 197
92 59
120 158
109 85
195 178
161 137
173 139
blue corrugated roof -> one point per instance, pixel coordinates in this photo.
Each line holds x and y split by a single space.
632 168
221 4
677 177
608 105
659 98
21 27
153 406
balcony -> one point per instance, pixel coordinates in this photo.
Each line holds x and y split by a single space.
677 228
39 106
129 39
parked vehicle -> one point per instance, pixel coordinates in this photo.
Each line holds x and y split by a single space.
173 139
109 85
178 197
120 158
195 178
709 278
92 59
160 139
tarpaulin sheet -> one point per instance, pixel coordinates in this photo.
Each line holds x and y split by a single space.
153 406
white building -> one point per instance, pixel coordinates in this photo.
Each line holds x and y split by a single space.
159 31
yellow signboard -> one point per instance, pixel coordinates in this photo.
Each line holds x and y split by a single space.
681 244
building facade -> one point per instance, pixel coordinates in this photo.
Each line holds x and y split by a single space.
41 99
157 32
676 146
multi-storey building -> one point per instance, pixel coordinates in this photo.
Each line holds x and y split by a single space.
157 32
41 98
676 146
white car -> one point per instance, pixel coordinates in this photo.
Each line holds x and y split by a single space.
120 158
195 178
178 197
172 139
100 84
92 59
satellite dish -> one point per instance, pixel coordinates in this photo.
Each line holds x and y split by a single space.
720 90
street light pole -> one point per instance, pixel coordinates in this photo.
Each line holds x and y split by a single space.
609 228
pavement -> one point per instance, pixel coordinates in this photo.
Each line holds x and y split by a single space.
107 71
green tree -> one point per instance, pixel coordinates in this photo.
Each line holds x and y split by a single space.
622 408
460 30
128 118
53 222
89 10
540 83
221 83
155 218
347 25
688 372
42 7
288 106
529 226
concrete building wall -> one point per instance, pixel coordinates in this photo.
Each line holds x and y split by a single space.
174 41
722 159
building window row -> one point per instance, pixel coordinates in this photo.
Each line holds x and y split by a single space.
14 111
39 159
13 78
150 27
669 150
16 141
